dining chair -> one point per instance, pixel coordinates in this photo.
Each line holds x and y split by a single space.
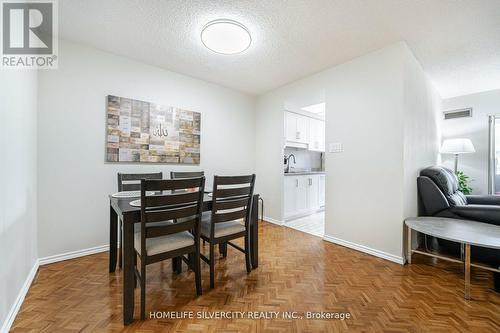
230 217
131 182
180 199
186 174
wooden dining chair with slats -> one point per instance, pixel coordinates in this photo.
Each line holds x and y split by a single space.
180 199
131 182
186 174
230 217
176 262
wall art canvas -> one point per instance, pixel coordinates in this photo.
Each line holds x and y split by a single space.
140 131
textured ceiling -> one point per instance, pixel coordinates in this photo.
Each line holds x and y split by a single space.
457 42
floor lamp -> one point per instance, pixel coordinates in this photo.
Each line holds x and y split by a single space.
457 147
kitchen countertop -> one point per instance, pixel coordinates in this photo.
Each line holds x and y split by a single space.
304 173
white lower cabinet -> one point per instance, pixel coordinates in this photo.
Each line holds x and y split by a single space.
302 195
290 193
313 192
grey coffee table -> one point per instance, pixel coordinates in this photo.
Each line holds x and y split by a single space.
461 231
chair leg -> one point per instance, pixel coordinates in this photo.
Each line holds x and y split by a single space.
191 257
120 237
223 249
143 291
212 266
135 268
247 254
177 265
174 265
197 271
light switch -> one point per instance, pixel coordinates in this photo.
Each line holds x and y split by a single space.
335 147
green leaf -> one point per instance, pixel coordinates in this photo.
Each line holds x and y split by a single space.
463 183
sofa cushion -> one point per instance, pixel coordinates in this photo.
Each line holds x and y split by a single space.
457 199
447 182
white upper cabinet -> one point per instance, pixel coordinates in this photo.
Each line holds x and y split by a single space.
296 128
316 135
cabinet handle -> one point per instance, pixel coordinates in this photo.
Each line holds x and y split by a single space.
297 135
310 181
296 183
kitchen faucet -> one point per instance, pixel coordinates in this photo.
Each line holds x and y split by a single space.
287 162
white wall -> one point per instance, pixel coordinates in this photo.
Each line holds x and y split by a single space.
72 132
475 128
18 185
422 137
366 102
364 184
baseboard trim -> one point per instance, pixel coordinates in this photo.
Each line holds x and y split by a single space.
20 299
73 254
274 221
365 249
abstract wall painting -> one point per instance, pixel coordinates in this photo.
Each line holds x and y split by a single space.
140 131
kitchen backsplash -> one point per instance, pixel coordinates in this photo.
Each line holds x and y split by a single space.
305 159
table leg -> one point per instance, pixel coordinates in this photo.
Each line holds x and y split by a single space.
408 245
113 225
467 271
223 249
128 271
254 232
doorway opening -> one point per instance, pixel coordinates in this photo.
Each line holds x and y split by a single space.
304 167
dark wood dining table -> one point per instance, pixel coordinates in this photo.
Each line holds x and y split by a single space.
120 208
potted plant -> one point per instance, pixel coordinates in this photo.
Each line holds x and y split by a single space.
463 182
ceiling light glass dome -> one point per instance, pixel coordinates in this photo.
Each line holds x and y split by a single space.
226 36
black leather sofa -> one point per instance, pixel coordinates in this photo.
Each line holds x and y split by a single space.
438 195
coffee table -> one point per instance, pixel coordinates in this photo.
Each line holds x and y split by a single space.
461 231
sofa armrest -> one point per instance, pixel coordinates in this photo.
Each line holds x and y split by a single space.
480 213
483 199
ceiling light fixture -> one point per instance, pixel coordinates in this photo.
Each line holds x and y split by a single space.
226 36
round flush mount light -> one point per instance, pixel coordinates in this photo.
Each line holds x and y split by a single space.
226 36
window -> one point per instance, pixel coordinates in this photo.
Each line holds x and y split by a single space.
494 155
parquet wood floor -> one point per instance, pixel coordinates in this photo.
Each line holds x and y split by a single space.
297 272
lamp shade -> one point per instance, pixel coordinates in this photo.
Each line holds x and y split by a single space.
457 146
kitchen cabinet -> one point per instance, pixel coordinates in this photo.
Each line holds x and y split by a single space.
316 135
302 195
313 192
296 195
296 128
289 196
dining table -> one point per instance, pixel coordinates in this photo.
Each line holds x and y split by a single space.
120 208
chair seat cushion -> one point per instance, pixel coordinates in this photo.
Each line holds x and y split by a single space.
163 244
221 229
